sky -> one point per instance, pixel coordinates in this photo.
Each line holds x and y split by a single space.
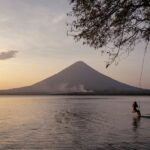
34 45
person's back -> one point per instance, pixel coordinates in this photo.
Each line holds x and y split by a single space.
135 106
135 109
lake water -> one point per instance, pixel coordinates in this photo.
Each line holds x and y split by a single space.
73 123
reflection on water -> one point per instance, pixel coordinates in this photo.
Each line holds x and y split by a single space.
72 123
136 123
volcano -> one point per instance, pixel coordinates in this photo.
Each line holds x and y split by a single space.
77 78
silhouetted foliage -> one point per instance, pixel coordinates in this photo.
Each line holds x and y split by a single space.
118 24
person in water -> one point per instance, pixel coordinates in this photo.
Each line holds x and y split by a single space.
136 109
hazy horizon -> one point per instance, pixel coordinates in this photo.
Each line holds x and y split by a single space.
76 76
34 45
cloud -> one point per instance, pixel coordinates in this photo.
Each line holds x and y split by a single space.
7 54
57 19
64 87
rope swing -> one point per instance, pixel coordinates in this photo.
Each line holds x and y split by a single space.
142 69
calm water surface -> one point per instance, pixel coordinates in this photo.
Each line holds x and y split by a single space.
73 123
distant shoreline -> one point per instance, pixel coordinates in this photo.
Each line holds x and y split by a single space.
76 94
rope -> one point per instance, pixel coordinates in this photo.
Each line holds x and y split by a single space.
142 68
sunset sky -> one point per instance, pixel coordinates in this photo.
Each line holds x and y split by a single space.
34 45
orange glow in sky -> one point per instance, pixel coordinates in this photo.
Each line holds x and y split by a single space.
38 32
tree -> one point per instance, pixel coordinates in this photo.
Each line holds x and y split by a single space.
117 24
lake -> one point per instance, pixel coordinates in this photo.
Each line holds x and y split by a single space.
73 123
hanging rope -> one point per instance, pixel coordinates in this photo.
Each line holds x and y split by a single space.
142 68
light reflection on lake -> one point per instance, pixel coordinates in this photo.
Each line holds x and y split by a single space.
73 123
